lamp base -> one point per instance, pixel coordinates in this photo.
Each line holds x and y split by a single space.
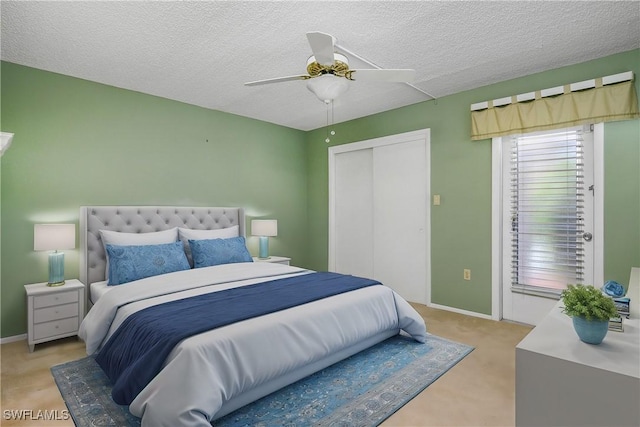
56 269
264 248
55 284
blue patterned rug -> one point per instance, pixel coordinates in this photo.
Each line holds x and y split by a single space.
362 390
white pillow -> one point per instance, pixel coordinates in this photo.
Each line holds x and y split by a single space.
219 233
136 239
187 234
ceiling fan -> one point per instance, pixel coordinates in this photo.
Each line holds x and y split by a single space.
329 73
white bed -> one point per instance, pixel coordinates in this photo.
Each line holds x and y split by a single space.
213 373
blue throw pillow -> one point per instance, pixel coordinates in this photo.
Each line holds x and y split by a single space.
129 263
210 252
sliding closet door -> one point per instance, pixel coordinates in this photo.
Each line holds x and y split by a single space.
378 212
353 206
399 220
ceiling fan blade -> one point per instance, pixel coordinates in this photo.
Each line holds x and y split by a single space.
383 75
276 80
322 46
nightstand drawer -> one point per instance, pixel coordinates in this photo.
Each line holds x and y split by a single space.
54 313
57 327
57 298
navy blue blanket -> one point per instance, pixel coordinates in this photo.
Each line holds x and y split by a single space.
135 353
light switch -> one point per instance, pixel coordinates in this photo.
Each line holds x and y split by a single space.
436 200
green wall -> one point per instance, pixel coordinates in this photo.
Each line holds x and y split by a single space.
82 143
461 174
622 199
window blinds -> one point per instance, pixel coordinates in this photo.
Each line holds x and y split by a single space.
547 208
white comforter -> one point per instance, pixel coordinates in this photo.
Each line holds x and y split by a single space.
207 371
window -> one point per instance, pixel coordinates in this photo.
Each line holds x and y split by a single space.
547 210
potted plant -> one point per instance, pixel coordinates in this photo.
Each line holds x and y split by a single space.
590 309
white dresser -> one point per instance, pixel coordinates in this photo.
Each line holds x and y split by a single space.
53 312
562 381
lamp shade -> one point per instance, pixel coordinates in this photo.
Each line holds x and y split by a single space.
5 141
51 237
264 227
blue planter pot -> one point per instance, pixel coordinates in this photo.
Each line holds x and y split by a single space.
590 331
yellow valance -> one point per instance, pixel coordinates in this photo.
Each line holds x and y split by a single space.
600 104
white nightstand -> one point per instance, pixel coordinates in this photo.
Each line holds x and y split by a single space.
273 259
53 312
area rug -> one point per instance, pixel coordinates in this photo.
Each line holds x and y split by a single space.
362 390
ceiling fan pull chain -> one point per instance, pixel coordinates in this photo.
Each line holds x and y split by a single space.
332 118
327 140
329 122
333 132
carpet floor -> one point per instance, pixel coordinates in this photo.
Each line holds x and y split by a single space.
362 390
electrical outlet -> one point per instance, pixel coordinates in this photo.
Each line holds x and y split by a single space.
467 274
436 200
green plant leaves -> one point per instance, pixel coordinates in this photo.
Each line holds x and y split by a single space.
589 302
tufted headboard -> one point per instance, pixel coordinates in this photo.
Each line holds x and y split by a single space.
142 219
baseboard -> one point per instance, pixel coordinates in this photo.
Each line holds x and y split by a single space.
14 338
460 311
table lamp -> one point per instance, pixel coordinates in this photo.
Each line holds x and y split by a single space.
53 237
264 228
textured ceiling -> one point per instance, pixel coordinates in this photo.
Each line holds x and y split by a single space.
201 53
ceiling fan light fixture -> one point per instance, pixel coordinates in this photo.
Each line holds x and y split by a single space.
328 87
